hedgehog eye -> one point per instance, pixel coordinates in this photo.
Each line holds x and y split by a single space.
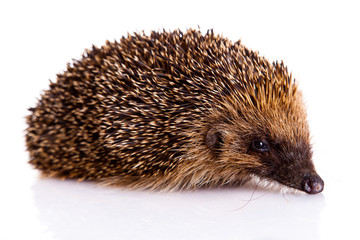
260 145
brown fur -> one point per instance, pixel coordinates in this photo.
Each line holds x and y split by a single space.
171 111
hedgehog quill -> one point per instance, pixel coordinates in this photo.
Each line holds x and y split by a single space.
173 111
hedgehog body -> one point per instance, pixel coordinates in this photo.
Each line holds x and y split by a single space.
173 110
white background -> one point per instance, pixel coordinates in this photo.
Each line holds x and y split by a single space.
318 40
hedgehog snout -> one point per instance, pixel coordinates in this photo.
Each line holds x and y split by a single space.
312 184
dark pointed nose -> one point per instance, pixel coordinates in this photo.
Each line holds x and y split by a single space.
312 184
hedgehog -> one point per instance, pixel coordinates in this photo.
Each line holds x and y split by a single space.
173 110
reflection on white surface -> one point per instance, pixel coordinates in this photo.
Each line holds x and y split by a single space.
72 210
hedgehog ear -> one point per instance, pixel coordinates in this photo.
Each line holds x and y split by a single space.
213 139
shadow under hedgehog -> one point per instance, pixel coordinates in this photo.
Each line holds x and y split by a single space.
173 111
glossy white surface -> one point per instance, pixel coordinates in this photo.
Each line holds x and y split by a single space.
318 40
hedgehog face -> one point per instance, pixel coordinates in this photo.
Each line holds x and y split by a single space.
276 149
283 148
287 163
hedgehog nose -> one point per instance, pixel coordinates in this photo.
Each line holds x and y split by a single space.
312 184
